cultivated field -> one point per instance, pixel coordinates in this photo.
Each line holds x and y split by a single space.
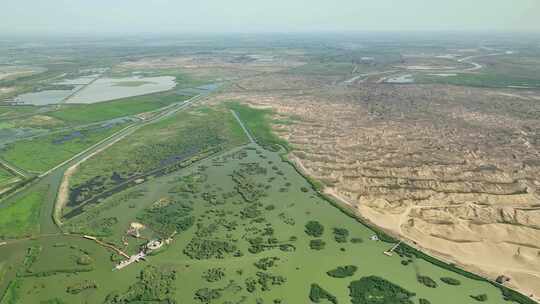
43 153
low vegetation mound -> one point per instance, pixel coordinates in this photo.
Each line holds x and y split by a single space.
375 290
451 281
317 294
314 229
342 271
153 285
213 275
427 281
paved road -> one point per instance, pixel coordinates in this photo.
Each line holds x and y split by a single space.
80 89
13 168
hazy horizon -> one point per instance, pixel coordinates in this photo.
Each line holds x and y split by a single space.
239 16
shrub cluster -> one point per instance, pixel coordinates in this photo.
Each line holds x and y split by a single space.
81 286
341 235
314 229
317 293
266 263
317 244
451 281
427 281
342 271
202 249
366 289
213 275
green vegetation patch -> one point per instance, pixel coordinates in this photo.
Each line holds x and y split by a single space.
373 290
341 235
317 244
451 281
12 294
317 294
8 112
117 108
342 271
314 229
259 124
213 275
266 263
21 216
54 149
166 219
154 285
203 249
426 281
81 286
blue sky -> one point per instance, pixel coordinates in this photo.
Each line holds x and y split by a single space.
168 16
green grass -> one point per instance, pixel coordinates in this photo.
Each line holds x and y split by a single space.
21 217
42 153
259 123
117 108
12 293
7 112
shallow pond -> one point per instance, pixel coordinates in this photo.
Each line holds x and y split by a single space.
45 97
105 89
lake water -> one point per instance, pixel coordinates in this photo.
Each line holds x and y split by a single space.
105 89
45 97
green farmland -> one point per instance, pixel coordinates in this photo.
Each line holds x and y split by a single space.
20 217
80 114
43 153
